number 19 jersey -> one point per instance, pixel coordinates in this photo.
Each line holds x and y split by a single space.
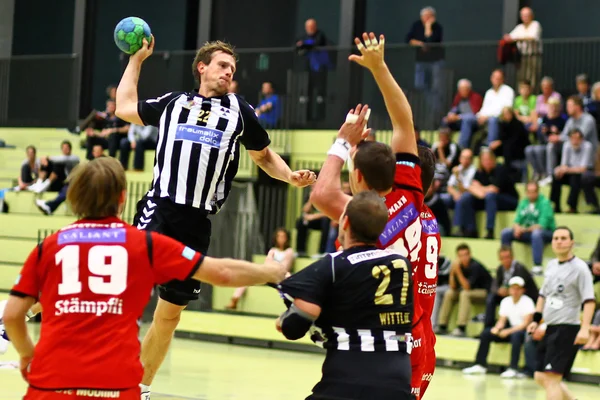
403 230
93 280
425 272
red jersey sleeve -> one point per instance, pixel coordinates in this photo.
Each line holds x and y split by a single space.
408 172
171 259
28 281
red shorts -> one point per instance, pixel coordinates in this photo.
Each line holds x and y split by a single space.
422 357
81 394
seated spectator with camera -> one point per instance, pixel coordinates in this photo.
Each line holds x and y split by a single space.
516 312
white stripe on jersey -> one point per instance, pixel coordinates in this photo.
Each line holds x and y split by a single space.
213 120
390 344
184 159
367 341
343 339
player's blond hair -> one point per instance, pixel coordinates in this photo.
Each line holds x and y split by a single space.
95 188
205 53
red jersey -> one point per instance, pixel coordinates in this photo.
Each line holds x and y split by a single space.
425 271
93 279
403 230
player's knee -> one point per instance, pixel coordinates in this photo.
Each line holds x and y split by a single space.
540 378
167 314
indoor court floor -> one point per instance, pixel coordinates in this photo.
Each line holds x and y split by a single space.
201 370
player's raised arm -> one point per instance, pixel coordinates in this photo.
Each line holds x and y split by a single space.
327 195
399 110
127 96
236 273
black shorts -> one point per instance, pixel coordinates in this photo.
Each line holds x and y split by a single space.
556 352
364 376
185 224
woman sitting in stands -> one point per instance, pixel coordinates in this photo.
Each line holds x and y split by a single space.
281 252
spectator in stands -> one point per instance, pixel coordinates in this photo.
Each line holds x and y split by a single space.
547 88
93 129
98 151
318 64
139 139
461 117
516 312
429 59
577 159
492 190
54 170
268 110
528 36
30 169
281 252
311 219
469 281
534 223
578 119
552 124
445 151
436 204
62 166
511 144
508 268
495 99
525 105
582 83
461 178
444 265
111 92
420 142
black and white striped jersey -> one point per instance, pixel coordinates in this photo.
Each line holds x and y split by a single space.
366 299
198 149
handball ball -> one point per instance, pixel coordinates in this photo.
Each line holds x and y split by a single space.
129 34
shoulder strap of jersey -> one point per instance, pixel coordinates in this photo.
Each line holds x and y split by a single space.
149 247
332 268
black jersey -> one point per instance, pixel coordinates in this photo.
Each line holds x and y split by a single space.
366 299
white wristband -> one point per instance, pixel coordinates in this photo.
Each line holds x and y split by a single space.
340 148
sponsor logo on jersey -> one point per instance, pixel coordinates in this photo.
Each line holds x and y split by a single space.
396 206
430 227
92 225
100 394
113 305
92 235
18 279
368 255
416 391
427 377
398 223
427 289
188 253
417 343
426 214
406 163
199 134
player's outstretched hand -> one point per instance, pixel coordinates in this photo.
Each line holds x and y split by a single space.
275 271
371 51
145 51
302 178
353 130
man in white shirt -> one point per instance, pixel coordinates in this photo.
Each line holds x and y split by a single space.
495 99
517 309
460 179
528 36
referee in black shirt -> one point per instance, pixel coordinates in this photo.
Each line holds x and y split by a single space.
196 160
358 305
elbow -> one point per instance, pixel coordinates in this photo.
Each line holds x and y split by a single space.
223 277
318 196
120 113
12 317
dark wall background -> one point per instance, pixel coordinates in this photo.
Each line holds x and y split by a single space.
461 19
41 27
562 19
166 19
327 14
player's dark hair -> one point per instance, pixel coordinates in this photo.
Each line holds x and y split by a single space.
368 216
205 53
566 228
463 246
95 188
427 166
376 163
287 235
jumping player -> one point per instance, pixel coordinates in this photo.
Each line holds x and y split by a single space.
401 179
93 279
360 302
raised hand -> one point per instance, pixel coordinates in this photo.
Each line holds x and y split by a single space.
353 130
302 178
145 51
371 51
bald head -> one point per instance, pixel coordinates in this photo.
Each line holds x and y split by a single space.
526 15
310 26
